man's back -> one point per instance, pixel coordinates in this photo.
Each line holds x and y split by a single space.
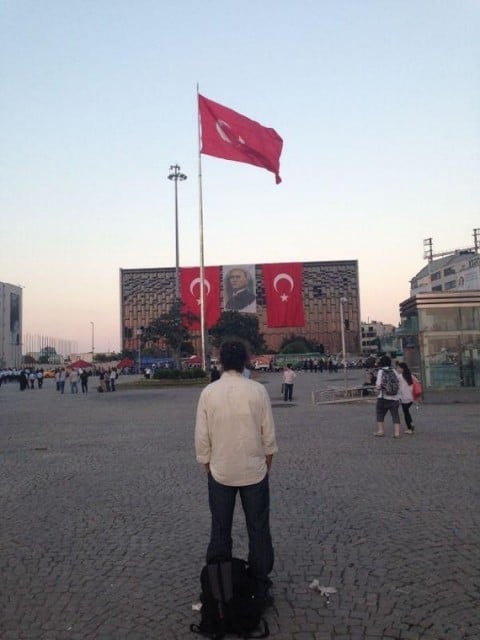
235 430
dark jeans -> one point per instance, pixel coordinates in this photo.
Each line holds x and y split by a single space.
256 506
406 413
287 392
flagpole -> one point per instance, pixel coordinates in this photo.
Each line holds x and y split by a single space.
202 260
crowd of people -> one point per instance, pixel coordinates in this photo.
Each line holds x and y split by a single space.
65 377
27 378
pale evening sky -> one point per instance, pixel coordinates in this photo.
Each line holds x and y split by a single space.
377 103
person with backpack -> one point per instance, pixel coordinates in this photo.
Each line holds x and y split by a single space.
388 400
235 441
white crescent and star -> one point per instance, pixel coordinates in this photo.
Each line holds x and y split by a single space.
198 281
225 132
277 279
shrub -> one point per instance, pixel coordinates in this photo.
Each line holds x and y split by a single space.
176 374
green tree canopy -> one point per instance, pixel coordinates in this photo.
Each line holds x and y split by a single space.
300 344
244 326
171 327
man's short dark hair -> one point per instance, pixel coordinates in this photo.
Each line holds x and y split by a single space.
233 355
385 361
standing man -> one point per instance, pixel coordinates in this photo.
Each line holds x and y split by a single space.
289 376
84 381
235 441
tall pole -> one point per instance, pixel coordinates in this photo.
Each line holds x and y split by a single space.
139 334
93 338
176 175
202 257
342 326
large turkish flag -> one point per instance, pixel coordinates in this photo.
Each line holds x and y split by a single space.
283 290
232 136
190 293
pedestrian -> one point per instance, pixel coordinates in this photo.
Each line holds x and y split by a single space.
103 383
32 376
289 376
113 377
235 440
73 378
84 381
40 378
62 379
23 380
388 400
406 394
214 373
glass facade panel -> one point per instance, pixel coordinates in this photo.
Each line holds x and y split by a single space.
409 325
470 360
470 318
452 360
441 360
439 319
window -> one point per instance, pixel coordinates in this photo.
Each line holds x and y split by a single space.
436 276
448 271
470 318
451 284
437 288
442 319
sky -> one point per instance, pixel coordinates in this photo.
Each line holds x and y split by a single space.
377 103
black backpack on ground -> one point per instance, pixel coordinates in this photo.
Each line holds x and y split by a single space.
228 602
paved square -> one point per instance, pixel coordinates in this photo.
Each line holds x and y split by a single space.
104 518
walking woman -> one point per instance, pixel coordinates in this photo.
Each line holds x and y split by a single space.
406 394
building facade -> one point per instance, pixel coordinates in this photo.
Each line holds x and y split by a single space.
456 270
440 333
148 293
374 335
10 325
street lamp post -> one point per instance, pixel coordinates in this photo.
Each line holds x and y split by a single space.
93 338
139 334
176 175
342 327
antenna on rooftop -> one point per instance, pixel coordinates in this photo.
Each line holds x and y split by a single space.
428 249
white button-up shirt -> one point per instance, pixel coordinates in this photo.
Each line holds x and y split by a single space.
234 430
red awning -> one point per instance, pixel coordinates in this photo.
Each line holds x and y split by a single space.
80 364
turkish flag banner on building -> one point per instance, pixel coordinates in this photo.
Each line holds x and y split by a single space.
229 135
190 287
283 290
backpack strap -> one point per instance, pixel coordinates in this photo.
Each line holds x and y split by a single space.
226 580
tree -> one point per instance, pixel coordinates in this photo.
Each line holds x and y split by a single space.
300 344
171 327
244 326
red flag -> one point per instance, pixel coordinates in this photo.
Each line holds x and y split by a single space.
190 294
283 290
229 135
